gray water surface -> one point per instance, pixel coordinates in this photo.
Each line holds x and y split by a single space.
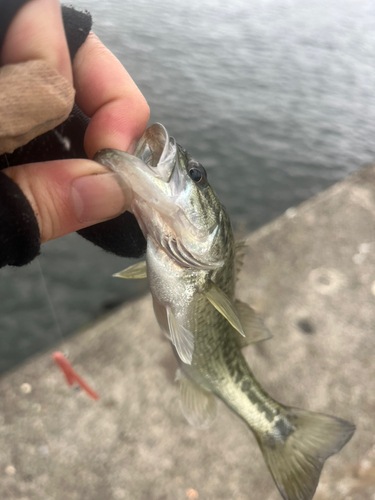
276 98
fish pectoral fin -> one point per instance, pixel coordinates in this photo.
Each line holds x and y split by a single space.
296 449
134 272
253 326
224 305
181 338
198 405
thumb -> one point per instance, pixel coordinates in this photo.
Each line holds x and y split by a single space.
68 195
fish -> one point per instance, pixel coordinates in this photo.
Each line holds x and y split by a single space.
192 263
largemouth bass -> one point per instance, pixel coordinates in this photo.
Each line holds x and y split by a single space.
191 266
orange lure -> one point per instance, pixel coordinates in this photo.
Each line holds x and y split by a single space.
71 375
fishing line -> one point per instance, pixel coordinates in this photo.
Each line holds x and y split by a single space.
49 298
52 307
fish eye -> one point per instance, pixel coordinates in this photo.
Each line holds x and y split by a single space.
198 173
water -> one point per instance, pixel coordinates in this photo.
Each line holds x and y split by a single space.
276 98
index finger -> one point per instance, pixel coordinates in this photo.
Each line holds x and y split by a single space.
106 93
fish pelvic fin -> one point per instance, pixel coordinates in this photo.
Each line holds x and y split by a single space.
198 405
134 272
181 338
297 448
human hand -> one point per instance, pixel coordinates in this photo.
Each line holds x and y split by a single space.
64 194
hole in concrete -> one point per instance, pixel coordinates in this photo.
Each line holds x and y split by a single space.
324 280
306 326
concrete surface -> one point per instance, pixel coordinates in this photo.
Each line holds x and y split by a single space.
311 274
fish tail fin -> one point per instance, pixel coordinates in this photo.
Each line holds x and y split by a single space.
297 447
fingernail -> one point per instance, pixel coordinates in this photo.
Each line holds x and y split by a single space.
100 197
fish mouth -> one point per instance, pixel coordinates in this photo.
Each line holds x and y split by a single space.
149 174
158 151
155 156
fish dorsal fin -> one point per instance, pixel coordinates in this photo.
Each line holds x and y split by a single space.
198 405
181 338
239 252
224 305
253 326
134 272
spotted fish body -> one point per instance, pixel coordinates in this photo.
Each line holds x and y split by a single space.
191 265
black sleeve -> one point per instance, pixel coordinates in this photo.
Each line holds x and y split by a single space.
19 232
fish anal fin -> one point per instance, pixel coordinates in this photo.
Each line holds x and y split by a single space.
134 272
198 405
181 338
295 451
254 328
224 305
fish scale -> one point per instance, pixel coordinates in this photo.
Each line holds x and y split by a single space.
191 266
